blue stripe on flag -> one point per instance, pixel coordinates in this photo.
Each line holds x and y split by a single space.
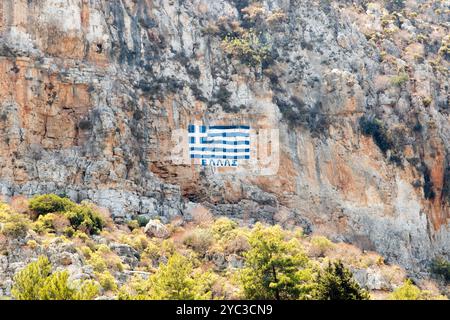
229 134
229 127
219 149
214 156
235 143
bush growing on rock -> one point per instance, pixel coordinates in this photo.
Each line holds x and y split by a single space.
103 259
400 79
49 203
142 220
86 219
247 48
408 291
177 280
107 281
133 224
320 245
37 282
137 288
57 214
12 224
51 222
222 226
200 240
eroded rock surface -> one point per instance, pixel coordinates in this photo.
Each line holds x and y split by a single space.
91 92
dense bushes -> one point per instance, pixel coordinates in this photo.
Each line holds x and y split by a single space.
175 280
248 48
297 113
400 79
204 259
12 224
37 282
85 219
199 240
51 207
49 203
408 291
320 245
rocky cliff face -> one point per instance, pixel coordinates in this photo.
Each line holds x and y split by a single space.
91 91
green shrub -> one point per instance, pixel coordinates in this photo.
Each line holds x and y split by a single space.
107 281
235 241
49 203
103 259
320 245
400 79
247 48
37 282
408 291
177 280
142 220
13 224
336 283
133 224
86 219
441 268
200 240
136 288
222 226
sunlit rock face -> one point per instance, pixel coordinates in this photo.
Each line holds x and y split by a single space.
92 90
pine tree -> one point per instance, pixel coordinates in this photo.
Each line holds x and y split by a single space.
275 269
336 283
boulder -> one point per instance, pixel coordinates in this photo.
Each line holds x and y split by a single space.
154 228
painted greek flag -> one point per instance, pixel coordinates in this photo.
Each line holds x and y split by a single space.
219 142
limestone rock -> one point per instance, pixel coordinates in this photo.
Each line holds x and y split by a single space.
155 228
92 92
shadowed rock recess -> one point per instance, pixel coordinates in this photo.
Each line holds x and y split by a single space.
91 91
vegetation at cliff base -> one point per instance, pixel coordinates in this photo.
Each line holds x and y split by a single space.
50 208
408 291
204 258
37 282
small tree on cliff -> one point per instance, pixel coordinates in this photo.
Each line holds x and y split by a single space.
275 268
336 283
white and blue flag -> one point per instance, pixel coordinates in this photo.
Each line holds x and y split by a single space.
219 142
